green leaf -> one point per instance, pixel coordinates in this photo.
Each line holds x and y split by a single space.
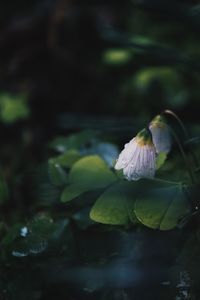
160 160
42 225
115 206
72 191
73 141
88 173
57 174
68 159
33 239
92 172
162 205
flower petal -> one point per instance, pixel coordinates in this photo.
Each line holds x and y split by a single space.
161 139
142 165
126 155
137 159
160 135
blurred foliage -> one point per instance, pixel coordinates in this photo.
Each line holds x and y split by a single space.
78 79
13 108
116 56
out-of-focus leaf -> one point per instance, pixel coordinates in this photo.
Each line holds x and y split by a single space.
45 191
59 144
142 40
162 205
109 152
117 56
13 108
170 81
82 218
12 234
165 75
72 142
88 173
68 159
57 174
42 225
115 206
34 237
31 246
48 193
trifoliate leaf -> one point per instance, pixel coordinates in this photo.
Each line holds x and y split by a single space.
115 206
88 173
162 206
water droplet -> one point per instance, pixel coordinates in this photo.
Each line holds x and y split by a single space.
24 231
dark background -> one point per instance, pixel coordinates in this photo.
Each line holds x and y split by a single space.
54 52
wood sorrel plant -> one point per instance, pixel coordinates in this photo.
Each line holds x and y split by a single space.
138 196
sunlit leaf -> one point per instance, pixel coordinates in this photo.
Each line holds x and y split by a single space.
115 206
91 172
162 206
88 173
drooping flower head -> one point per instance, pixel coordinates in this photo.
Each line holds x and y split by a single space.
137 159
160 134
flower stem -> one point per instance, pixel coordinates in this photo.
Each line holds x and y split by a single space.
171 113
187 163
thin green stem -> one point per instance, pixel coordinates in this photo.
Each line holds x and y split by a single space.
171 113
187 163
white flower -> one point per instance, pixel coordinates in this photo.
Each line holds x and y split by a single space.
138 159
160 134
